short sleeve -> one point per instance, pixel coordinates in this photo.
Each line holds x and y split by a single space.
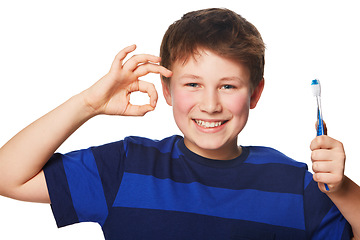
322 218
79 183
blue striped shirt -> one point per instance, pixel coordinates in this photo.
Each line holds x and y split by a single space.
139 188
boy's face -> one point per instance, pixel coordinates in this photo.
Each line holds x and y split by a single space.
211 97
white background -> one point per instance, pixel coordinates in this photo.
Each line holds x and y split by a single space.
51 50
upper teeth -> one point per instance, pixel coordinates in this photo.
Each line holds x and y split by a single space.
208 124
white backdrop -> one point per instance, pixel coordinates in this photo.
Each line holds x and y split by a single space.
51 50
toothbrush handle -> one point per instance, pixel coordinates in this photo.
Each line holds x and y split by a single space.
321 130
320 127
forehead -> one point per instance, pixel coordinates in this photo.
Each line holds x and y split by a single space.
208 64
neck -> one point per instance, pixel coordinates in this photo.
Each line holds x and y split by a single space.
225 153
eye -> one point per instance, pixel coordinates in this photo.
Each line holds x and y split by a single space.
194 85
227 86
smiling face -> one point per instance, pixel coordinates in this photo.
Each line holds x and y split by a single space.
211 97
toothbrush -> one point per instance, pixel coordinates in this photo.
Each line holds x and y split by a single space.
316 88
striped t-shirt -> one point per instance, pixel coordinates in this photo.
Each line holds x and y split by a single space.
139 188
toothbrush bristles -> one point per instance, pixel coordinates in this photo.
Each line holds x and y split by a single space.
316 89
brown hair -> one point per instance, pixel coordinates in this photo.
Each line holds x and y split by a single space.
219 30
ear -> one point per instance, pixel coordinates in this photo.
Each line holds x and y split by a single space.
256 94
166 92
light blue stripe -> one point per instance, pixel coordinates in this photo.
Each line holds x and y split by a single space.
308 179
143 191
332 226
85 186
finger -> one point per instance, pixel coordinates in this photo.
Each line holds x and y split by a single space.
119 58
323 167
335 165
326 188
318 142
132 63
325 155
138 110
144 69
145 87
327 178
150 89
325 142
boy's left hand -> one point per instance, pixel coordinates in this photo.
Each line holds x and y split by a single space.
328 158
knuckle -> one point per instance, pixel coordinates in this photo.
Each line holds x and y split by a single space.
340 144
321 140
152 85
341 157
316 177
314 155
314 167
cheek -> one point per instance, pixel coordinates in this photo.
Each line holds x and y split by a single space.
238 104
182 105
182 102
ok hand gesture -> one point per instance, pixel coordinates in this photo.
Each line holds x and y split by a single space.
111 94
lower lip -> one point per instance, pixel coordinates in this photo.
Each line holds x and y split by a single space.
211 129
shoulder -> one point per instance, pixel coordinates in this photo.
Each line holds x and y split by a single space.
164 145
122 147
267 155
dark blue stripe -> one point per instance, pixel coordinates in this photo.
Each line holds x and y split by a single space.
61 201
142 191
316 205
265 177
135 223
166 145
347 233
110 162
85 186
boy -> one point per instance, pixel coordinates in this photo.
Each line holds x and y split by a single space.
200 186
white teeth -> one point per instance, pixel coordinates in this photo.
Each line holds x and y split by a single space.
204 124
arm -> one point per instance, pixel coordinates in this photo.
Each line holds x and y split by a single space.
328 157
23 157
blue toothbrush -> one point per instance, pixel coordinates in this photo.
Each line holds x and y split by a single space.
315 84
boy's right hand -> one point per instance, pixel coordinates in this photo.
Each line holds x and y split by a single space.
111 94
39 140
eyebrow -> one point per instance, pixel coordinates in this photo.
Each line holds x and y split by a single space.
221 79
190 76
231 79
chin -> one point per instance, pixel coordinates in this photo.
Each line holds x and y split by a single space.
211 144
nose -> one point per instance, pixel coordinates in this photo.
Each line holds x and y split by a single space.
210 102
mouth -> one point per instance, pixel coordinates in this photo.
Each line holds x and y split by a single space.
209 124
